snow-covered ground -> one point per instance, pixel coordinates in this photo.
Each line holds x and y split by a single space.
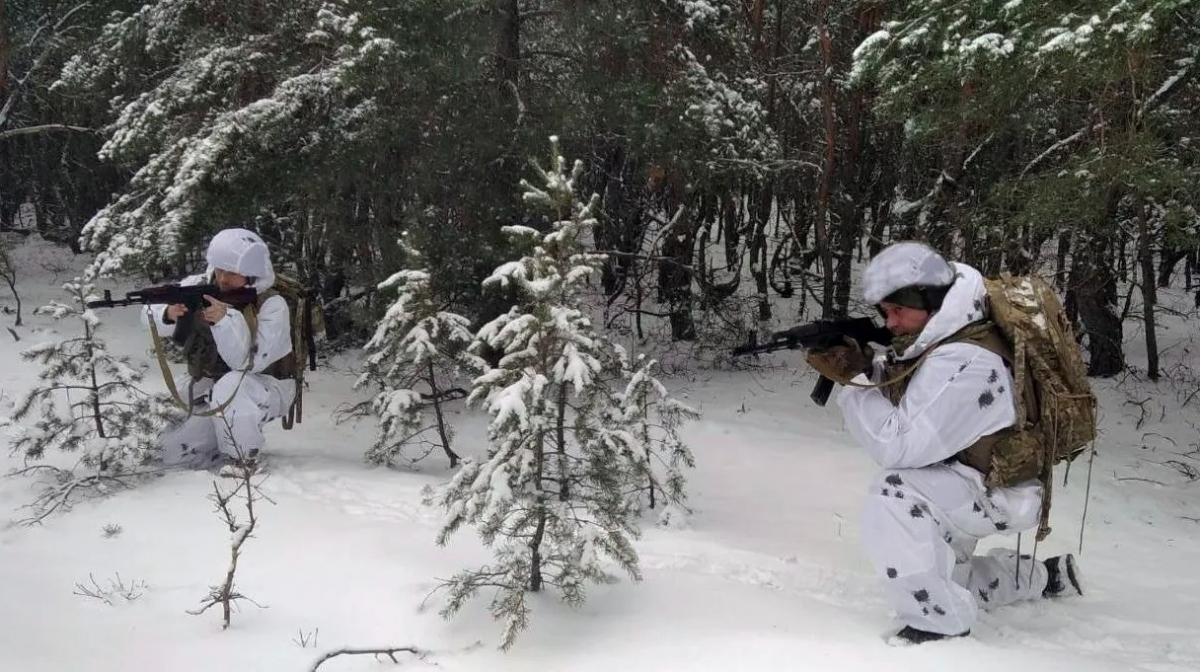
767 574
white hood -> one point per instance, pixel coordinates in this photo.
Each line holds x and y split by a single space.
964 303
243 252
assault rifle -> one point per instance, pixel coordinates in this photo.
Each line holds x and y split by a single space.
818 336
191 296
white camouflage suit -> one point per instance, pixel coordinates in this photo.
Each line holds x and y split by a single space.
204 441
924 513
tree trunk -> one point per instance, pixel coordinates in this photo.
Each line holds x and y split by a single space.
1093 286
761 212
508 44
540 513
443 430
535 546
822 221
1149 290
560 430
675 270
1064 247
3 53
1171 256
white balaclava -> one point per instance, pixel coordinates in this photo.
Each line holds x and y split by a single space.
913 267
243 252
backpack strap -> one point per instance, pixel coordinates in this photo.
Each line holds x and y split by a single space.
988 336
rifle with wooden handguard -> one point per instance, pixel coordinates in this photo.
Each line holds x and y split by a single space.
191 296
819 335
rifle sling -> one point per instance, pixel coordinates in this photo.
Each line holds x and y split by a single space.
189 406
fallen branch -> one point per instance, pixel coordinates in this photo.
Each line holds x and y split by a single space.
1144 480
1189 472
43 128
389 651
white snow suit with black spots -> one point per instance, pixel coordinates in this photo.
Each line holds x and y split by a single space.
257 398
926 512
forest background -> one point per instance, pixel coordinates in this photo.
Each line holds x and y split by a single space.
746 153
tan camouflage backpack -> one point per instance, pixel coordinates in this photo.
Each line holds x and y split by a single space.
1055 404
308 326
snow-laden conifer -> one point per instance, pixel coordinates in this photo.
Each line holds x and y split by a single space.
413 362
655 420
87 402
552 498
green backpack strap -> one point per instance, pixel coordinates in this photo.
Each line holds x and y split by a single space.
295 412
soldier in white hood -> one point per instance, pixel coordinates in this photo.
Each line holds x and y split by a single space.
239 369
928 508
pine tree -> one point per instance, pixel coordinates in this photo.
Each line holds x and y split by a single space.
654 419
87 402
416 347
551 497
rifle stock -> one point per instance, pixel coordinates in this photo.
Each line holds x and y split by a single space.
818 336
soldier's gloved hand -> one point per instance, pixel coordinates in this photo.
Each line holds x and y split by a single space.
841 362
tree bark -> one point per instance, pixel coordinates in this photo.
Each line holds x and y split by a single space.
1094 290
761 212
822 221
1149 289
1171 256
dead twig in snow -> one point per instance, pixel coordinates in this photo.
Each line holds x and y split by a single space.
117 587
1188 471
224 594
304 639
1142 405
1138 478
389 651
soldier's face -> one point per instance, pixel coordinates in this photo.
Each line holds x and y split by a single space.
903 320
228 280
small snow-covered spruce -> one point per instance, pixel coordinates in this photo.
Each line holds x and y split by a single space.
87 402
413 361
655 418
551 498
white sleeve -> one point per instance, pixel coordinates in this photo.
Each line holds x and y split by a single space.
156 312
959 393
274 337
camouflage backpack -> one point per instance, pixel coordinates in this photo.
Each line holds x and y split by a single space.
1056 409
308 326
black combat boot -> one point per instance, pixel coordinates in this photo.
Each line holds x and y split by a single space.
1062 577
909 636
